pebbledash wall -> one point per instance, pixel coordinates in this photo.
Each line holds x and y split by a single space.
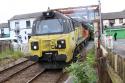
23 29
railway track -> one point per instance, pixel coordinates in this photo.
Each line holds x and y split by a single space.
36 76
47 76
7 73
29 72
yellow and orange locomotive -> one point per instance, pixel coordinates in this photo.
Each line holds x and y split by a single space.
56 39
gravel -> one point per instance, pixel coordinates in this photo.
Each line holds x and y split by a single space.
50 76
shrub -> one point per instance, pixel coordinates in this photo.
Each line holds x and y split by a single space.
83 72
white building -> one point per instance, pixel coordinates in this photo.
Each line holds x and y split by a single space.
21 26
4 30
116 18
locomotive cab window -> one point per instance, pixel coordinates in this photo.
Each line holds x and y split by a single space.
71 25
67 25
50 26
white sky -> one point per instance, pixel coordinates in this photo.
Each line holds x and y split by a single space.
9 8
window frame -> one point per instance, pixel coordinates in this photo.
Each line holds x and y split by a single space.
28 25
120 20
17 24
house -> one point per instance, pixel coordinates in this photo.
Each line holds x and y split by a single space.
4 30
21 26
114 18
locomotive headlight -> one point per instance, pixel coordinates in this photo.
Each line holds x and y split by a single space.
61 44
34 46
62 41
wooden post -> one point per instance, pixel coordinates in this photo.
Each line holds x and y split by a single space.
121 68
118 65
124 70
116 57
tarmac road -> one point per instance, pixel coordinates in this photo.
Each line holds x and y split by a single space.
119 47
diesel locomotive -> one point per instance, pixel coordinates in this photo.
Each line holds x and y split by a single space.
57 39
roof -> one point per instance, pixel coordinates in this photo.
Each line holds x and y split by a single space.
4 25
37 14
26 16
56 14
113 15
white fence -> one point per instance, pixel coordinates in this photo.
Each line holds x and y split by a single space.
107 41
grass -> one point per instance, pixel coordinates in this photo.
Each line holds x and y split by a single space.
10 54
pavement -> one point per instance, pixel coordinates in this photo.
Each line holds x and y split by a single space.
119 47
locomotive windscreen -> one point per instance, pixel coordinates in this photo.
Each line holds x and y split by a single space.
49 26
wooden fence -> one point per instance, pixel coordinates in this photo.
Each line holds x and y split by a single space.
117 63
4 45
115 66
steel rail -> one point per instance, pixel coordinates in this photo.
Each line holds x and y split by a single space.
3 80
13 66
38 74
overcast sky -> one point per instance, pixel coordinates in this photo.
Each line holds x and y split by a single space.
9 8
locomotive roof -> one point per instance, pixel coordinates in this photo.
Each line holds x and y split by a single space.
55 13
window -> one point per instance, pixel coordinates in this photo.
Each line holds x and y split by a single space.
50 26
112 22
71 25
16 24
25 38
2 32
28 24
25 32
120 20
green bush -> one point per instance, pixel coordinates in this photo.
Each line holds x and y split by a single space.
83 72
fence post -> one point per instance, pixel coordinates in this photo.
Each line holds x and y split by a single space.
116 57
123 70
